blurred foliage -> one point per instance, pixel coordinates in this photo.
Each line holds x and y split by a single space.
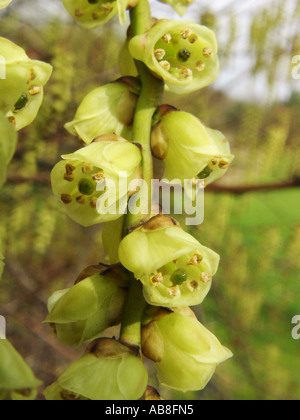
256 292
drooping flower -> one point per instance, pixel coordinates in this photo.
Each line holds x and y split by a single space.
21 90
93 182
175 269
108 371
179 5
106 110
8 142
93 13
2 265
183 54
188 148
185 352
112 234
95 303
126 62
17 381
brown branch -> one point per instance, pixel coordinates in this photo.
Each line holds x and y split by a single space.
243 189
234 189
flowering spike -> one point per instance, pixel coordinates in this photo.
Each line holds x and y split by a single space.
185 44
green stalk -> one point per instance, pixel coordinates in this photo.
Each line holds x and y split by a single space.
150 98
132 316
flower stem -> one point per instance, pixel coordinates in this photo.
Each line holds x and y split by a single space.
150 98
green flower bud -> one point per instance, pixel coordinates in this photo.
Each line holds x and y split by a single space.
188 352
21 92
175 269
4 3
93 13
188 148
106 161
106 110
179 5
8 142
108 371
95 303
17 382
183 54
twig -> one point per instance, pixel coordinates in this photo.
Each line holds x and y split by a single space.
234 189
242 189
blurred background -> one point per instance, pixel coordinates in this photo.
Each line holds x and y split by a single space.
252 216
